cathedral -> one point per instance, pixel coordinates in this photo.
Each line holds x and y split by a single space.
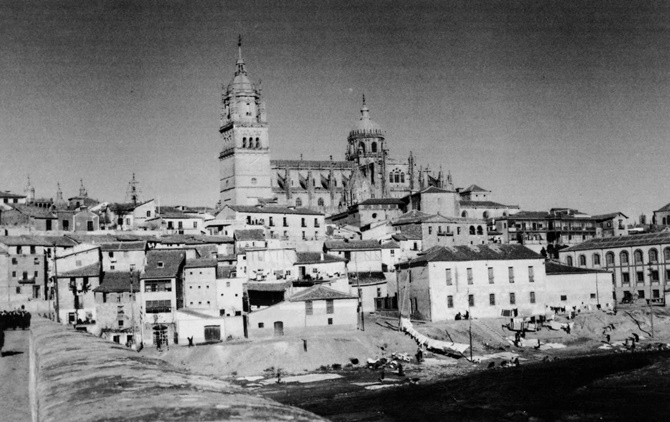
248 176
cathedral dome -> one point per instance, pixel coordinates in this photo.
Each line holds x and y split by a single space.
366 126
241 83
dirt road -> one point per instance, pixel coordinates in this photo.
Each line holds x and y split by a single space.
14 373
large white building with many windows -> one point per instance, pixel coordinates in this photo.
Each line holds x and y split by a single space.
484 280
639 264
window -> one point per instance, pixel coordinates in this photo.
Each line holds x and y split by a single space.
564 298
472 230
195 224
480 230
149 213
609 259
640 294
656 294
302 223
469 275
532 297
637 255
492 299
639 276
625 278
582 261
653 274
449 279
316 222
158 286
285 222
120 323
19 250
568 261
32 250
430 230
18 290
653 255
511 274
330 308
471 300
158 306
512 299
531 274
624 258
298 202
666 253
160 264
491 280
593 295
14 274
450 301
309 307
261 325
320 202
330 321
596 259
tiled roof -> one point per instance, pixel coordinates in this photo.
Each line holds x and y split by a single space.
485 204
171 263
497 252
400 237
225 271
200 263
474 188
252 234
197 314
227 257
271 209
188 239
351 245
554 268
125 207
35 212
530 215
92 270
316 258
411 217
10 195
312 164
664 208
266 286
382 201
659 238
603 217
24 241
367 278
319 292
59 241
123 246
180 214
390 245
118 281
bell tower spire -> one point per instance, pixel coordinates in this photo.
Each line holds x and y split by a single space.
241 68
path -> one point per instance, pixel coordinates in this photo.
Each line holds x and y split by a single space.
14 376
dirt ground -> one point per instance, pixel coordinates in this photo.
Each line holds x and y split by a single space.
572 376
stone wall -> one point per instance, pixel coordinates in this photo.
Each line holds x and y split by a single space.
79 377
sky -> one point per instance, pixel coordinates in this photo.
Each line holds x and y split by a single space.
545 103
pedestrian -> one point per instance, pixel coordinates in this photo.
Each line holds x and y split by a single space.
608 338
190 341
382 375
401 371
419 355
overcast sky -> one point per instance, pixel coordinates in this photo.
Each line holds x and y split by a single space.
545 103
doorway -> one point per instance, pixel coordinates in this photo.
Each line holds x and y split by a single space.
279 328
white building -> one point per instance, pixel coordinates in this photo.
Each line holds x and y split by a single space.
574 287
483 280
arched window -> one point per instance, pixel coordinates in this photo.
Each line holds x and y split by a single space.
638 257
653 255
582 261
464 214
373 148
480 231
596 259
624 258
361 147
568 260
609 259
298 202
390 177
320 202
472 229
258 143
666 252
402 177
244 142
486 214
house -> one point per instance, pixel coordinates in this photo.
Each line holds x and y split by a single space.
161 294
37 218
23 268
123 256
200 284
369 287
484 280
661 215
575 288
361 255
640 264
315 309
85 220
611 225
77 272
370 211
474 202
199 326
129 216
6 197
176 221
117 310
437 230
286 223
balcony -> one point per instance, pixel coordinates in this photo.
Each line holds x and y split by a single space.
27 280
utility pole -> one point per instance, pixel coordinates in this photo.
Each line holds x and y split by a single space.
651 306
470 324
132 305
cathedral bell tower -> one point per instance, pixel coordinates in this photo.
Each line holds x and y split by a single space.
244 161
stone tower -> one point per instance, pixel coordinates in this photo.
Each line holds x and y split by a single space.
366 147
29 192
244 160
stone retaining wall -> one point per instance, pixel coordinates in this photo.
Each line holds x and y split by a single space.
79 377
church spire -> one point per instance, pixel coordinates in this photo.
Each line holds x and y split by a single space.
82 189
365 111
29 191
241 68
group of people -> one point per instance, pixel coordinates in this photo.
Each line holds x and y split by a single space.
18 318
